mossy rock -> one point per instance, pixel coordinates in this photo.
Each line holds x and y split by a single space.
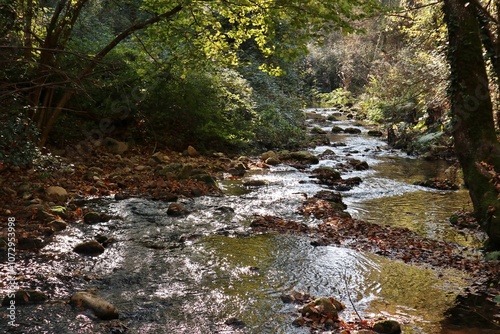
304 156
318 130
351 130
337 129
92 217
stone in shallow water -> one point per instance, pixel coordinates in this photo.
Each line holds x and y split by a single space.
23 297
101 308
177 209
387 327
92 247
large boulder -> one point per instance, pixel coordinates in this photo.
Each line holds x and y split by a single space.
101 308
57 194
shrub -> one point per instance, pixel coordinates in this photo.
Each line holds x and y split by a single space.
18 136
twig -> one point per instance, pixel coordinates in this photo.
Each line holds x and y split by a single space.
349 295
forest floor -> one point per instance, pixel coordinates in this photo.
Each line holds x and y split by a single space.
98 173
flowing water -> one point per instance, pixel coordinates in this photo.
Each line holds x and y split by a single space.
190 274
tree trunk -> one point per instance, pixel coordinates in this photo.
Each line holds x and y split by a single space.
476 144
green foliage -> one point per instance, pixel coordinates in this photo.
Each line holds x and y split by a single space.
279 108
215 31
206 110
17 139
336 97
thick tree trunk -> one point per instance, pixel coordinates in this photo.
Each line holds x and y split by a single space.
476 143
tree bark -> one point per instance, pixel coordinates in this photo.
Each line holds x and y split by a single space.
476 144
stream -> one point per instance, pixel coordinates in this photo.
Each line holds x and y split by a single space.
191 274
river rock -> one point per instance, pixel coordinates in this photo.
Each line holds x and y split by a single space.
323 307
235 323
358 164
347 184
337 129
328 155
273 161
92 247
115 146
387 327
239 169
92 217
205 178
192 152
157 158
177 209
57 194
269 154
57 225
102 309
23 297
296 297
304 156
326 174
352 130
375 133
318 130
255 183
185 171
30 243
330 196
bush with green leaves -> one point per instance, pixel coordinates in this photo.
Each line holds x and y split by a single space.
211 110
279 108
336 97
18 136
